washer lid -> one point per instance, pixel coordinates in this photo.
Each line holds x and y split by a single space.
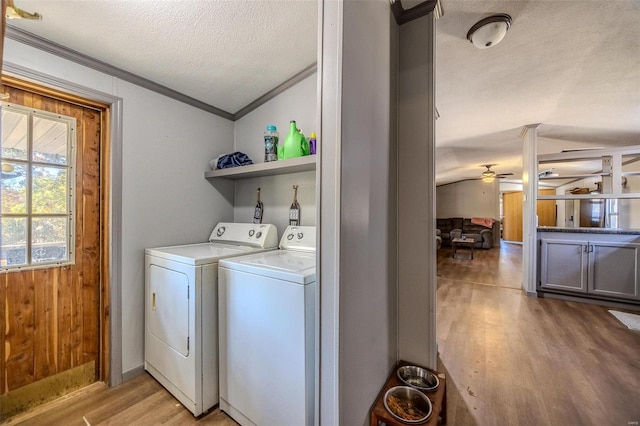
286 265
199 254
247 234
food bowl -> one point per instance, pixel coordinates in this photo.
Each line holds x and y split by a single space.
418 377
407 404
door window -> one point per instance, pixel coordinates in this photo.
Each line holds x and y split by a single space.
37 218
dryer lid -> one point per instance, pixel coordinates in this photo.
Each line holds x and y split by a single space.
200 254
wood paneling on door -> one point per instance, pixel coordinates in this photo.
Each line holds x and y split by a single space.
512 207
546 209
512 222
50 318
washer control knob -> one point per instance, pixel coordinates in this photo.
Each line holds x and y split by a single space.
300 235
220 231
251 233
259 234
290 237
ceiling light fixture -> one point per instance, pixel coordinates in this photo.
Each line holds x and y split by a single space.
488 179
14 12
489 31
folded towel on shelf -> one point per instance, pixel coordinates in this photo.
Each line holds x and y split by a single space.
234 159
484 221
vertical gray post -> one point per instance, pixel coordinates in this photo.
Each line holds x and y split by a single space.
416 193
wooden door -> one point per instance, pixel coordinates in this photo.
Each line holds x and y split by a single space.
546 209
50 318
512 208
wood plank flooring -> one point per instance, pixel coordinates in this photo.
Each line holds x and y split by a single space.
499 266
510 360
517 360
141 401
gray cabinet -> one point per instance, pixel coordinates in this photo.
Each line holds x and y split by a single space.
614 269
598 268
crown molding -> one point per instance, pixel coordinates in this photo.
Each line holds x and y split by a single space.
45 45
307 72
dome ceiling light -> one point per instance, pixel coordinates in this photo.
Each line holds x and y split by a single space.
489 31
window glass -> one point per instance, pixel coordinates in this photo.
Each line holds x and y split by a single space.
14 188
36 208
14 241
48 239
14 134
49 140
49 193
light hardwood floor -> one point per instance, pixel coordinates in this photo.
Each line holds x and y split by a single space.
510 360
141 401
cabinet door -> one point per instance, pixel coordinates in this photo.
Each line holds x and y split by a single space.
614 269
563 265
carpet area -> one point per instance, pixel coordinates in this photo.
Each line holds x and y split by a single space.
632 321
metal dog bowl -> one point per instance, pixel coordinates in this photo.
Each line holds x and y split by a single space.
418 377
407 404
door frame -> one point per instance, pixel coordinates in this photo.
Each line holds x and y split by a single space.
111 182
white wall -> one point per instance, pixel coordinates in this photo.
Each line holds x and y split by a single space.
469 198
296 103
299 103
276 193
165 198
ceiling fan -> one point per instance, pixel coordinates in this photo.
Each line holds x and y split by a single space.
489 175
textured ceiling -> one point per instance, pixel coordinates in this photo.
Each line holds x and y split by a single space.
573 66
224 53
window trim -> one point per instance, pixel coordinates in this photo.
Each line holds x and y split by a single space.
29 163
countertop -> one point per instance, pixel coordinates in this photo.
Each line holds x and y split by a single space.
589 230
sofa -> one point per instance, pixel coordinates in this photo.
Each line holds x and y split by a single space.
457 227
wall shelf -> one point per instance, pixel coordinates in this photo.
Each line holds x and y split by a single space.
280 167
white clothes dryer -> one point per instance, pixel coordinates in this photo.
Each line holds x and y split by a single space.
181 292
267 322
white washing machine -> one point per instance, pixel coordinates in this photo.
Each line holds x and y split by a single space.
267 322
181 315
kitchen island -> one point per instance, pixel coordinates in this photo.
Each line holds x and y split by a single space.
589 263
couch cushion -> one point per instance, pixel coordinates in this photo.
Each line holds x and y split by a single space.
444 225
456 223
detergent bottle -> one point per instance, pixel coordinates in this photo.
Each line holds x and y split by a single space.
304 144
292 143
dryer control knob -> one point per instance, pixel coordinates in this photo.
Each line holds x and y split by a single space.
259 234
300 235
251 233
290 237
220 231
